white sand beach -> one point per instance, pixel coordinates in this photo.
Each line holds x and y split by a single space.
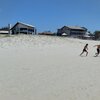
48 68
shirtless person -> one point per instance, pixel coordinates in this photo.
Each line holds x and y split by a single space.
98 50
85 50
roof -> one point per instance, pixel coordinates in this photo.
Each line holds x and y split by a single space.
22 24
76 27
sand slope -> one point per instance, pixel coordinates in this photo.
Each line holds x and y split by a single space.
48 68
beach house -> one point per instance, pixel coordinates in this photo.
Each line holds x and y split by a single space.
73 31
20 27
5 30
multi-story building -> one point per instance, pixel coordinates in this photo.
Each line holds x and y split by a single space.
72 31
23 28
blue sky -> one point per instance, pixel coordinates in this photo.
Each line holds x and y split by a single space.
51 14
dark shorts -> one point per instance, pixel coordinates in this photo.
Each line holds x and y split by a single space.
84 50
98 51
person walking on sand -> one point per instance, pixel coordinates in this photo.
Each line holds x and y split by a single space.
98 50
85 50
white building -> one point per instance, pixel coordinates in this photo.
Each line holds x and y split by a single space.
4 32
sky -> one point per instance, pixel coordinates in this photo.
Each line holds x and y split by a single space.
50 15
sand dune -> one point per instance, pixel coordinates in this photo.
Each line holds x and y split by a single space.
48 68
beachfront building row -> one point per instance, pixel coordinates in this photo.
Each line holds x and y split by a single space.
74 31
20 27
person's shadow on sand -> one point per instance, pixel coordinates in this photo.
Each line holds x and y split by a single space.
96 56
82 55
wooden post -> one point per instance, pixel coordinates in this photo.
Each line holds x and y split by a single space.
27 30
9 27
19 30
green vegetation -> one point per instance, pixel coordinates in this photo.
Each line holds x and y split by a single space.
97 35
